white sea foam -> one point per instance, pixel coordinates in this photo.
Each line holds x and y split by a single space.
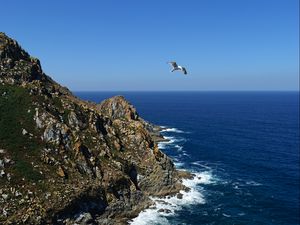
253 183
174 130
165 207
149 216
226 215
179 148
236 187
201 164
178 164
205 177
185 154
211 166
163 144
170 140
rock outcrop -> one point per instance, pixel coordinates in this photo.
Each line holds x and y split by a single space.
67 161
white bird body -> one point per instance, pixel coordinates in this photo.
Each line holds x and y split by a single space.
176 67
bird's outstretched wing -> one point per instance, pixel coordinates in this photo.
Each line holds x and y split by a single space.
174 64
184 70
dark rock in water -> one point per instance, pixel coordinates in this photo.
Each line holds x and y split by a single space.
164 211
77 161
185 174
179 196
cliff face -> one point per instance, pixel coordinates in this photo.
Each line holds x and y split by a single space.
64 160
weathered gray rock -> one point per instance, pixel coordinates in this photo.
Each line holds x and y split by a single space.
51 134
1 164
84 219
73 120
5 196
118 108
24 132
2 173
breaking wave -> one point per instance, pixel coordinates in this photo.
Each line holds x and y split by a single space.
163 208
166 207
174 130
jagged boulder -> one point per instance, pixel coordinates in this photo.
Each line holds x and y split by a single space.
118 108
10 49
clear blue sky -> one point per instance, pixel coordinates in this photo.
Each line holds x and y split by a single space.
124 45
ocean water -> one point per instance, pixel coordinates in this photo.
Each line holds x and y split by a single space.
242 146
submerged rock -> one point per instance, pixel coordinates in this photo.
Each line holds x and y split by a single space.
164 211
179 196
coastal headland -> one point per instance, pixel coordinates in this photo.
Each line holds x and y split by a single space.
64 160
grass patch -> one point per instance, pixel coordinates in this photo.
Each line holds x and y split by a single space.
16 113
65 115
57 102
25 169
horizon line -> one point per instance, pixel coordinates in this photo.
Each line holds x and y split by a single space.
185 90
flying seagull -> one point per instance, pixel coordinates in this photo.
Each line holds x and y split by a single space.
176 67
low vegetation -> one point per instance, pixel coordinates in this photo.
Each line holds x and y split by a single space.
17 130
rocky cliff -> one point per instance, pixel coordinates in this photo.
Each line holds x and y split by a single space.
66 161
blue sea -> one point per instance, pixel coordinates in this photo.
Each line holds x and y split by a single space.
242 146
